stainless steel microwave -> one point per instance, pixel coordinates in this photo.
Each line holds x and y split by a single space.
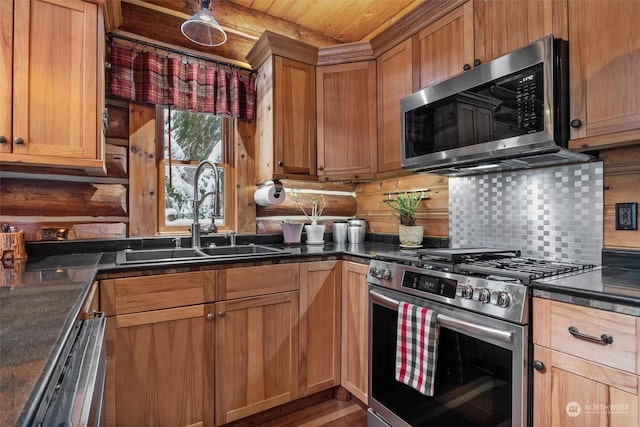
510 113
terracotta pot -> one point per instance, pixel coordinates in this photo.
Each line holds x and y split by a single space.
411 235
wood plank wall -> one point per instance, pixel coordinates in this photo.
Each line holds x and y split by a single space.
433 213
621 185
55 204
340 204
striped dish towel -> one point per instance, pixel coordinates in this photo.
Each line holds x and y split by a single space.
417 347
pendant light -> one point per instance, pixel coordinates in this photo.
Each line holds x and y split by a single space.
202 28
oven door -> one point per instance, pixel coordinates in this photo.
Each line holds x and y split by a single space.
480 375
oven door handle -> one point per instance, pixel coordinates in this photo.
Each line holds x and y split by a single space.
452 322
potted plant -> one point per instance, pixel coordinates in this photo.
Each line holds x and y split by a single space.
406 205
291 231
315 231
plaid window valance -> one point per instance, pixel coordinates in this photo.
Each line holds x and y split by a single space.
147 77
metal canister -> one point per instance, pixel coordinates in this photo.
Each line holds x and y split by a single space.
357 230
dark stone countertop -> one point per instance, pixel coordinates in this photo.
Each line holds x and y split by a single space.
40 302
606 288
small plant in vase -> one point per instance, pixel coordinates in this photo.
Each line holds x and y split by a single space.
315 231
406 206
291 231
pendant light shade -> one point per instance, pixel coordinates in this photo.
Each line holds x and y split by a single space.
202 28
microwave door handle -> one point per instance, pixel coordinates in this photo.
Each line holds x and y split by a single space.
448 321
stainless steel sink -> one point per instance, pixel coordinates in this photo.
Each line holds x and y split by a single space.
244 250
146 256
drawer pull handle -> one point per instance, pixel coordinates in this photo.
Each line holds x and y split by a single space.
604 338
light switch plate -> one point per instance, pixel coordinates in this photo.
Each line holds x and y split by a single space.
626 216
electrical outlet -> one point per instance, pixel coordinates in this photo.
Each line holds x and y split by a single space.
626 216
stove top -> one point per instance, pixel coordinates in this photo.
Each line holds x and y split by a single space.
485 280
492 263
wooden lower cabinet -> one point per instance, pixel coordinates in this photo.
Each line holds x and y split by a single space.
155 373
355 330
256 354
579 382
319 327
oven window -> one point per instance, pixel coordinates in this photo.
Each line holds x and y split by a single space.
473 379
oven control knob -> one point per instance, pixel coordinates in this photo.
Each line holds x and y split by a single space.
502 299
386 274
376 272
467 291
484 296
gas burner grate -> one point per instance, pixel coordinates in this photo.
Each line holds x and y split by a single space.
525 269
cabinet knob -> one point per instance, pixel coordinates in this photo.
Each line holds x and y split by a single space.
210 316
18 141
476 62
538 365
280 163
3 139
320 168
466 67
575 123
221 313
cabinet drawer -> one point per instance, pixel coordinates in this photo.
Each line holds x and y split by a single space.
552 321
254 281
138 294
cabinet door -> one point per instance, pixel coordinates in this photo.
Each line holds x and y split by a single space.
294 126
355 330
394 83
319 328
55 83
605 54
571 391
155 368
442 49
503 26
256 354
347 132
6 73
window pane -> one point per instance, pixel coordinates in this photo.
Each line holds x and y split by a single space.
194 136
179 195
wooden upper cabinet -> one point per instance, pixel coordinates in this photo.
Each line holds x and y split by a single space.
442 49
394 83
286 108
605 58
57 84
503 26
347 137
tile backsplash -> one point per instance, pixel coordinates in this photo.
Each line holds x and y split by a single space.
552 213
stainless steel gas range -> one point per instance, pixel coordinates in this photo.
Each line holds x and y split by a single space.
481 298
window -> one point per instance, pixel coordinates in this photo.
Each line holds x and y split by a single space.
187 139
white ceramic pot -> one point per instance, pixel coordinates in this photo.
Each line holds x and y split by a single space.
291 232
411 235
315 233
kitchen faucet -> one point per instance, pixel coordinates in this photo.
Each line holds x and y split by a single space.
197 202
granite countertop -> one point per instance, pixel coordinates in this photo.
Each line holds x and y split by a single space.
607 288
41 299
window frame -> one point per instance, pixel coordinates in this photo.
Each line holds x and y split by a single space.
229 174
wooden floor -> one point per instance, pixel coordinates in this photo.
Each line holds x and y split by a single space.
328 413
331 413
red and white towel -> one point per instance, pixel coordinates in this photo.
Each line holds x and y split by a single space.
417 347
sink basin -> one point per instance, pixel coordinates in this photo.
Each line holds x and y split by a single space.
130 256
244 250
146 256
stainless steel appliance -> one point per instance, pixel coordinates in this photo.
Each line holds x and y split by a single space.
511 113
74 395
481 299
